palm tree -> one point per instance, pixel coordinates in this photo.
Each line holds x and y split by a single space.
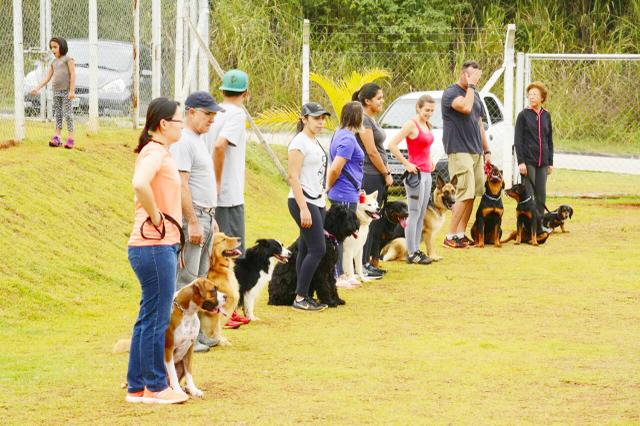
339 93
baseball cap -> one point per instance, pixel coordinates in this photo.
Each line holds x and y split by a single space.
235 81
202 100
313 109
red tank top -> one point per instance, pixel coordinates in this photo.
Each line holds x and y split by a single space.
420 149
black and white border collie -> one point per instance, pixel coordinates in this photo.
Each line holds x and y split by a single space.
254 271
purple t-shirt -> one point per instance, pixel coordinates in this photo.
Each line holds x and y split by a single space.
345 145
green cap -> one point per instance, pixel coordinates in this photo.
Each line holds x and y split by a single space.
235 81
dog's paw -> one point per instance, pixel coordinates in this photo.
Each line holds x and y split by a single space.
341 302
435 258
224 341
195 392
253 318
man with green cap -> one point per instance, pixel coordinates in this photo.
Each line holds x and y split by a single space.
228 137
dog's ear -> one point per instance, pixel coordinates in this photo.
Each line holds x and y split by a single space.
439 182
198 287
454 181
374 194
570 212
502 184
262 242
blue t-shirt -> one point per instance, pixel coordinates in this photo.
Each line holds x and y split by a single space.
461 132
345 145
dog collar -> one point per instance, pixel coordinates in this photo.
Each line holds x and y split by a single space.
526 201
492 198
180 308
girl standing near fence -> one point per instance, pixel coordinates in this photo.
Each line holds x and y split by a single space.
62 73
419 166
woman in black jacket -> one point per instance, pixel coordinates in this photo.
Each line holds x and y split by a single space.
534 144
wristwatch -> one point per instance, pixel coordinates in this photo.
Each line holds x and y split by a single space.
471 86
487 152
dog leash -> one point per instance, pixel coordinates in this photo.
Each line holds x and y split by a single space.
162 233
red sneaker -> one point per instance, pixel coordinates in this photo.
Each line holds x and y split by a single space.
239 318
232 324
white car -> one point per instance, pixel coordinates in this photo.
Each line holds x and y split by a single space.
404 107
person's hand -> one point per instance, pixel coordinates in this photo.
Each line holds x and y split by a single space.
215 226
33 92
473 76
71 95
388 179
487 158
157 219
195 232
305 218
523 169
411 168
549 170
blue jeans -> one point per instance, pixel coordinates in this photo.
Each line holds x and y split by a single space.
155 267
353 207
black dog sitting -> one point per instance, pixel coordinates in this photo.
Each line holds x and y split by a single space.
339 224
528 221
557 217
393 220
487 227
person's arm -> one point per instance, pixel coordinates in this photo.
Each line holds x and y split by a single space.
464 104
296 157
43 83
485 144
72 78
141 182
550 168
334 171
366 136
195 231
518 143
219 150
406 131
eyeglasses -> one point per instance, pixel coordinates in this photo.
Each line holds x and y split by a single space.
175 121
205 112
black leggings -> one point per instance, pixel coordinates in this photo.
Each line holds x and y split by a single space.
372 247
536 184
311 246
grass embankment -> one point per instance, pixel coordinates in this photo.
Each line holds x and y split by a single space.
520 334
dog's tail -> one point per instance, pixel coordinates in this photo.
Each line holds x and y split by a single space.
512 236
122 346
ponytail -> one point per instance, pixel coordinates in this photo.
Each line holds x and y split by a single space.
366 92
299 125
159 109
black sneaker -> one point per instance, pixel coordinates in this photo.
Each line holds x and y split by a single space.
315 303
376 269
412 257
371 273
308 304
422 259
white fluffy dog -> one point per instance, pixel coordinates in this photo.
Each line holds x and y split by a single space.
366 212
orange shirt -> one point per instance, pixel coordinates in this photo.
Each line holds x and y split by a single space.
165 186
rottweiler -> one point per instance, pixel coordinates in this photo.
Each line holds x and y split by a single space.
487 227
557 217
528 221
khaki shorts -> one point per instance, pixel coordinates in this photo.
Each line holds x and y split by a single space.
470 171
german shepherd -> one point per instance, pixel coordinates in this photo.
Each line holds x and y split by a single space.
444 196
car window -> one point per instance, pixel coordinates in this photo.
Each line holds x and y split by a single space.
112 57
403 110
494 110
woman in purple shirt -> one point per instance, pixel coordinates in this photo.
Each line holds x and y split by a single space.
344 178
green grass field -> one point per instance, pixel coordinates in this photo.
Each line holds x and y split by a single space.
511 335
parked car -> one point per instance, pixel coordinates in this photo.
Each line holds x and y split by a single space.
115 65
404 107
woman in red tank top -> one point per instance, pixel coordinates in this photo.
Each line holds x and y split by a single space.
417 132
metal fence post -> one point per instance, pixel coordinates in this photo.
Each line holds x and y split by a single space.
156 52
44 46
305 61
193 15
203 68
177 78
93 67
18 70
49 89
507 143
135 77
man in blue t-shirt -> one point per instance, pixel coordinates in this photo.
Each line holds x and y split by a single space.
465 143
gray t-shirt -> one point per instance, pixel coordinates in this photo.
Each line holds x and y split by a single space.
378 139
461 132
61 78
231 125
191 155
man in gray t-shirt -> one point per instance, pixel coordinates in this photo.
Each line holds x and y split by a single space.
465 142
198 189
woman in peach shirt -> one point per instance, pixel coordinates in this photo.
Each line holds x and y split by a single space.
153 247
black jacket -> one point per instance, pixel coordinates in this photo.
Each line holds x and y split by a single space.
533 140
